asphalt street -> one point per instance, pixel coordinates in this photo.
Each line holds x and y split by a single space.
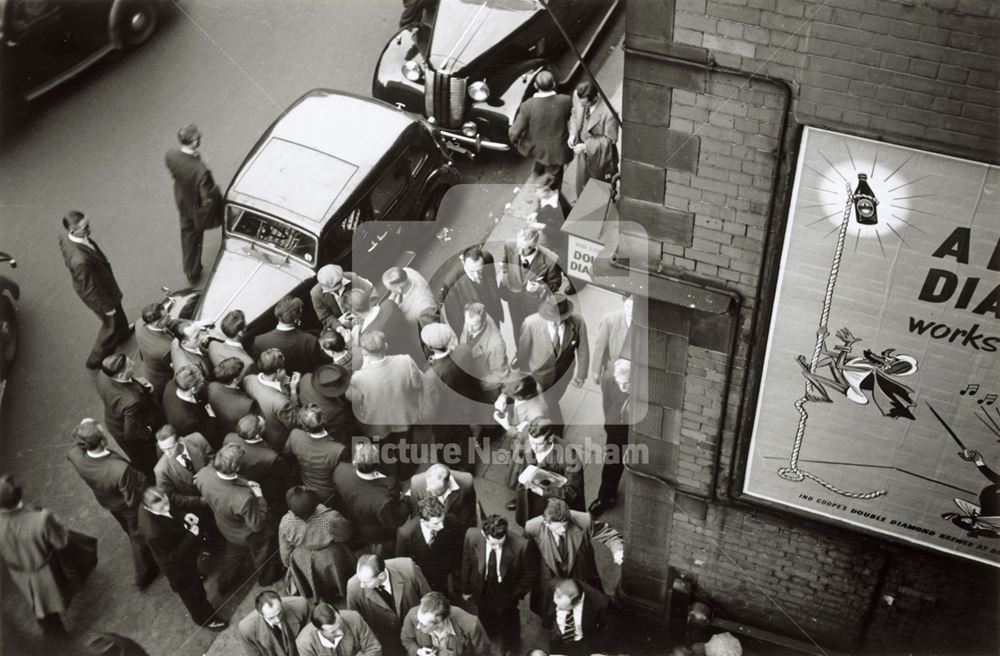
97 145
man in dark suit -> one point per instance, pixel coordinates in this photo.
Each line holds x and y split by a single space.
185 409
541 130
301 350
95 284
427 541
528 273
614 342
182 459
198 198
565 540
130 413
549 343
455 491
383 592
261 463
152 340
400 336
226 396
241 513
117 486
326 388
451 393
189 347
474 281
175 541
329 295
498 570
435 621
370 500
577 619
548 452
274 624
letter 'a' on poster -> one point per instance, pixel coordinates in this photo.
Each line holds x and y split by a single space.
878 397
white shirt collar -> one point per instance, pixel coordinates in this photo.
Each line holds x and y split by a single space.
544 94
157 512
285 326
453 486
374 476
319 435
426 531
273 384
529 258
233 342
326 643
499 549
185 395
187 150
80 240
99 454
577 611
226 477
551 201
184 452
541 455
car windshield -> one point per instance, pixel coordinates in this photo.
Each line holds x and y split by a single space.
271 232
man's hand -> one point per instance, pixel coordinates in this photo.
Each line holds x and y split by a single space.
971 456
467 597
294 381
579 148
597 379
427 651
619 556
578 382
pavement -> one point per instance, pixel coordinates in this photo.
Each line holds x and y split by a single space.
97 145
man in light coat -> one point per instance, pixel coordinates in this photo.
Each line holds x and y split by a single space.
593 136
386 391
330 294
337 633
436 621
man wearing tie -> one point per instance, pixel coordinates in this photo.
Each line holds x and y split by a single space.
425 539
614 342
528 273
577 619
550 341
383 592
95 284
272 627
182 458
436 628
130 413
474 282
498 569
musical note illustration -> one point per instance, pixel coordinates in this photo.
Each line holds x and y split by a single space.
989 399
971 389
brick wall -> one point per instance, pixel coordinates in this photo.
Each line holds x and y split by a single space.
708 156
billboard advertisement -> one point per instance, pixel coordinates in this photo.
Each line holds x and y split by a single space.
878 402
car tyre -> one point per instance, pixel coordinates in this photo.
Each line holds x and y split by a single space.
8 336
134 22
429 213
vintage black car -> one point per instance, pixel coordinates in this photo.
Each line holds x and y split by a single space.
46 42
473 65
332 171
9 292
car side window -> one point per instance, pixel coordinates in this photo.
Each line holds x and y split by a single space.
25 12
390 187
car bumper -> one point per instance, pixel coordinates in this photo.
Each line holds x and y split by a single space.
477 142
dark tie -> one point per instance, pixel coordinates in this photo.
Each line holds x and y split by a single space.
186 459
626 350
386 597
431 538
569 633
491 567
525 263
278 634
563 551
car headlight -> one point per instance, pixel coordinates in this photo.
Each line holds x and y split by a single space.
479 91
470 129
413 70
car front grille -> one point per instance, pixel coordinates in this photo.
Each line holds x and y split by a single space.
444 99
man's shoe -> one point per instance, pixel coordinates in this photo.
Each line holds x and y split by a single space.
216 625
598 506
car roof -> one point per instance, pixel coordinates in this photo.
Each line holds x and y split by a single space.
316 155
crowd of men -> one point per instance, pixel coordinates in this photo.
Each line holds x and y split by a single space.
283 457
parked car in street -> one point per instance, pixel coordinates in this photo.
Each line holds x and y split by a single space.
332 171
470 68
9 292
44 43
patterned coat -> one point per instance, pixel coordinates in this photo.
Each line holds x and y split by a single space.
316 554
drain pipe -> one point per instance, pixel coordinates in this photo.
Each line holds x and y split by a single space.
776 223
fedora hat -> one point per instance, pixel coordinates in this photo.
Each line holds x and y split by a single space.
331 380
555 307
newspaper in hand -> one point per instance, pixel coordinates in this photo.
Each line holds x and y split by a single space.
541 481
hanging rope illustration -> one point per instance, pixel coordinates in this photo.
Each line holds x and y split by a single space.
865 206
